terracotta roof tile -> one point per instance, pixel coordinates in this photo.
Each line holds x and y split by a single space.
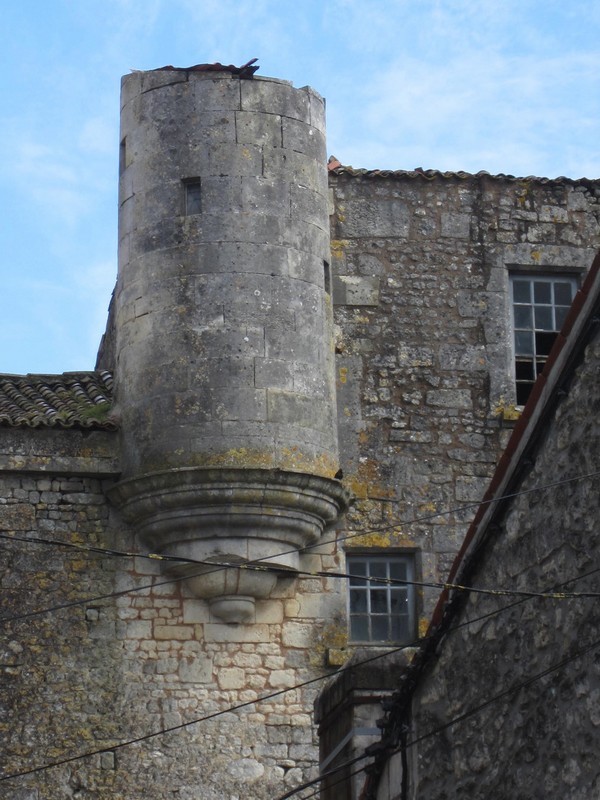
70 400
337 168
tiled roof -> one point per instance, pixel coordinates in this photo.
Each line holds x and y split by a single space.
337 168
70 400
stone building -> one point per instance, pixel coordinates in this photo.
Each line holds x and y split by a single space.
503 699
250 294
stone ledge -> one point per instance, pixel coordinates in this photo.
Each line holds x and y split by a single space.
60 452
216 521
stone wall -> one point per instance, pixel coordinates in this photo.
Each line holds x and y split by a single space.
421 265
140 655
420 429
60 669
542 740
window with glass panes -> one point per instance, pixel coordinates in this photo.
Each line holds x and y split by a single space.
540 305
381 604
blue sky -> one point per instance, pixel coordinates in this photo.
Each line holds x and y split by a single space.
507 86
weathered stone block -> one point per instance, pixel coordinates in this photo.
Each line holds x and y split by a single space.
138 629
288 407
374 217
296 634
352 290
264 130
301 137
309 205
456 226
274 97
236 633
449 398
176 632
16 517
269 612
274 373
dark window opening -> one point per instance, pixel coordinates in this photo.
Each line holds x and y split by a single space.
122 157
540 306
193 197
327 277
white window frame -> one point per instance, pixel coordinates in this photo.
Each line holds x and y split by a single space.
541 333
381 612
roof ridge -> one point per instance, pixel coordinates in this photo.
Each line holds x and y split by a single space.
335 167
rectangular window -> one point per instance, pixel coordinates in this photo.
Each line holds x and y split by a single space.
540 305
381 604
193 196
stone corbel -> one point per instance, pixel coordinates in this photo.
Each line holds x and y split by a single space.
229 516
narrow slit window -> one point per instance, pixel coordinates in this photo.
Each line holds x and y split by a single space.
122 156
327 277
540 305
193 197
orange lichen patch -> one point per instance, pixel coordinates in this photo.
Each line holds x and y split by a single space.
332 637
337 657
337 247
379 539
290 459
524 193
423 626
367 482
385 539
507 411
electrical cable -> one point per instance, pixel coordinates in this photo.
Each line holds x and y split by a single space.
183 725
316 574
459 718
468 622
259 565
353 534
270 696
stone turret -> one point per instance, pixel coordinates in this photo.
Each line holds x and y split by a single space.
224 356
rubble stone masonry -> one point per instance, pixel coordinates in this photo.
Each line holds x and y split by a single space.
426 397
540 741
139 656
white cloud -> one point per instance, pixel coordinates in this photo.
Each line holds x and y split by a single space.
31 159
97 136
478 111
92 286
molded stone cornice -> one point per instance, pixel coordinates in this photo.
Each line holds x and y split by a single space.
229 516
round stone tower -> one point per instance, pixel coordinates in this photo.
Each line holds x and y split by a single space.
224 358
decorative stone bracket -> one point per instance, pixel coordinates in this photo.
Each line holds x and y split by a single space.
229 516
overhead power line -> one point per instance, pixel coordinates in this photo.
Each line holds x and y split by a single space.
499 592
353 534
348 668
260 565
523 684
183 725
